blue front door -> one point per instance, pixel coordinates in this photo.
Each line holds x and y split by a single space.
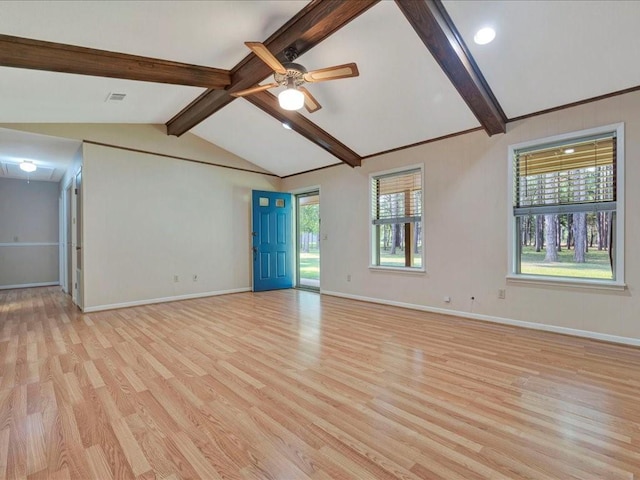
272 241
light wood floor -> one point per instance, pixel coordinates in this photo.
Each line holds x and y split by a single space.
292 385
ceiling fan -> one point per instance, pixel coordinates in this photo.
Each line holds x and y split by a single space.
293 76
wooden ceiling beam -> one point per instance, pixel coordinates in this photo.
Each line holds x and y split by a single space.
435 28
302 125
315 22
20 52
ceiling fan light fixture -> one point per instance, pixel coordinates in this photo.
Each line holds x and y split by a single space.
27 166
291 99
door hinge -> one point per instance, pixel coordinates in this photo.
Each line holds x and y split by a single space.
254 234
75 190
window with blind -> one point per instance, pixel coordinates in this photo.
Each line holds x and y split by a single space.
566 210
396 219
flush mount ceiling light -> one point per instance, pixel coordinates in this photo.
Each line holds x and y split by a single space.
484 36
28 166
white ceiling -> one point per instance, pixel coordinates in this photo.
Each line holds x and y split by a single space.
210 33
546 54
51 155
256 136
35 96
551 53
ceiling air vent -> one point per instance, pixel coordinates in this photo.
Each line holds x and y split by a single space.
115 97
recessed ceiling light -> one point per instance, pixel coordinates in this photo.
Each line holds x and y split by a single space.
484 36
28 166
286 125
569 150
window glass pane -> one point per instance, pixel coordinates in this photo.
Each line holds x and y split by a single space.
264 202
279 202
394 240
567 245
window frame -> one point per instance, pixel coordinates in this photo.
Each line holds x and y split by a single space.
618 283
372 239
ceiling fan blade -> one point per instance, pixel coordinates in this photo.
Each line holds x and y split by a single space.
310 103
332 73
266 56
249 91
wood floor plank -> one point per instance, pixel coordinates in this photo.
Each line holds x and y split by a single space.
195 457
291 384
34 430
98 463
4 451
132 451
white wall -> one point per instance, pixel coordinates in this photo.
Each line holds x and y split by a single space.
466 205
148 218
28 233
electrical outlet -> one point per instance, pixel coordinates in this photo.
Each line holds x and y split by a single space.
195 277
447 299
501 293
176 278
348 277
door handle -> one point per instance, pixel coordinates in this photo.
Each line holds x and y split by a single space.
255 252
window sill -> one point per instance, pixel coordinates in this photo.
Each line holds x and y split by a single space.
566 282
410 271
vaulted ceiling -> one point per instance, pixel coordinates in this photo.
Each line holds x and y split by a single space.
422 76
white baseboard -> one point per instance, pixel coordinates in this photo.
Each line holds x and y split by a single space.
137 303
488 318
29 285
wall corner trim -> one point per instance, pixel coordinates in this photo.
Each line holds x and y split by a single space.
137 303
488 318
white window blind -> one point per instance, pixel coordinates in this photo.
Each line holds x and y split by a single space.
568 177
397 197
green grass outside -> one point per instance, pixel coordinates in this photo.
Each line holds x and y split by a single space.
397 260
310 265
596 265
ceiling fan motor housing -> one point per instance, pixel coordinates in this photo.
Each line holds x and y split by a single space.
295 72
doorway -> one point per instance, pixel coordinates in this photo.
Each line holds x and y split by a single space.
308 240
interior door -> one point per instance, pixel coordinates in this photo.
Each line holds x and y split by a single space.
273 259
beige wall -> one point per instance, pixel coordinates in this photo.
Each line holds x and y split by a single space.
466 205
28 215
